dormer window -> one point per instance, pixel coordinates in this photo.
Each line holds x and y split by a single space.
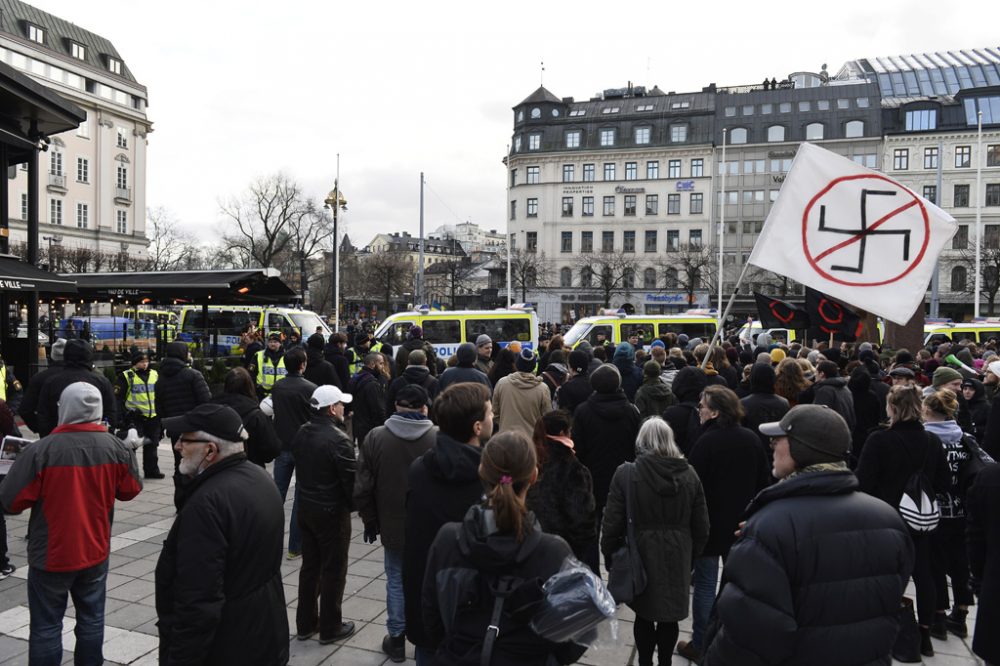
78 51
114 65
36 34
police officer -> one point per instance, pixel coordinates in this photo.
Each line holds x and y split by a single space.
136 393
10 388
356 355
269 365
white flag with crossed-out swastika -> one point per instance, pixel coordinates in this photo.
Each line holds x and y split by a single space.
853 233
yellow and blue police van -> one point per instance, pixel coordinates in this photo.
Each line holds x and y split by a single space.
616 326
226 323
446 330
980 330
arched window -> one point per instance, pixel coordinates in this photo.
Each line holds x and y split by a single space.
530 277
738 135
628 278
565 277
959 277
854 129
814 131
776 133
695 276
586 276
671 278
649 278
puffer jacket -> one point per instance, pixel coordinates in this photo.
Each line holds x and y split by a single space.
763 405
786 601
324 465
368 405
464 560
179 388
519 400
624 360
604 431
833 393
671 524
683 417
653 398
573 392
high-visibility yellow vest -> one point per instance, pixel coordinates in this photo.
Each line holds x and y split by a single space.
3 381
357 361
141 395
267 372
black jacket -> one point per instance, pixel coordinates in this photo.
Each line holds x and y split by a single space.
460 374
262 444
464 560
763 406
563 500
291 407
732 468
410 345
892 455
833 393
414 374
683 417
443 484
338 360
604 431
28 409
219 597
324 465
573 392
368 389
319 371
179 389
983 540
866 409
48 399
815 578
979 410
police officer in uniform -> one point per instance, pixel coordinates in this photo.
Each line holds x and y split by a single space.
269 365
356 355
136 392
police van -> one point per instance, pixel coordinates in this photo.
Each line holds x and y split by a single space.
749 332
616 326
446 330
979 330
226 323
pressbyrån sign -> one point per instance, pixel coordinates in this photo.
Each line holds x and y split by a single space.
854 234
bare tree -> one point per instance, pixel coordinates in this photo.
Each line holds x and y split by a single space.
263 221
387 275
446 278
609 273
79 259
695 266
989 274
529 271
168 242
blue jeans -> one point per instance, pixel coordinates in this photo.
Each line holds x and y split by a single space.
706 576
396 617
284 466
47 594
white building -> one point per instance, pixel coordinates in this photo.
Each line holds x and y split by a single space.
473 238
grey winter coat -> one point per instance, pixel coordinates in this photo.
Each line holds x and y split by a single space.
653 398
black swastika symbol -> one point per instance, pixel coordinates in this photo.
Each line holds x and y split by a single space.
861 235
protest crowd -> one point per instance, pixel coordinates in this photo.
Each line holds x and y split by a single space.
816 481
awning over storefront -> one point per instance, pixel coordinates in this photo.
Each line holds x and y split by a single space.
237 286
17 276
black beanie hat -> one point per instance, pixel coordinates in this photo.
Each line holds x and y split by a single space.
606 379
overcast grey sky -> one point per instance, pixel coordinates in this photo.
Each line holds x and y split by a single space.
238 90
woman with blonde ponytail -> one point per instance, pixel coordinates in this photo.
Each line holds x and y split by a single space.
498 547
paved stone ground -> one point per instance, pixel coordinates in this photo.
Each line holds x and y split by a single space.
131 638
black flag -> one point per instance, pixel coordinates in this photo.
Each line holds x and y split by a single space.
830 316
775 313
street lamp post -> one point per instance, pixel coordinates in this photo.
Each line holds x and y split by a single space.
54 239
336 202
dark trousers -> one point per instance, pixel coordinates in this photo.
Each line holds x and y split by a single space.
153 431
4 560
923 578
649 635
326 536
949 559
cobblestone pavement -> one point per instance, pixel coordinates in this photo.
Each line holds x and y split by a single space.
131 638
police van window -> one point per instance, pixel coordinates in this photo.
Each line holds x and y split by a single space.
957 336
938 338
442 331
598 335
499 330
396 333
984 336
703 331
227 321
646 331
276 321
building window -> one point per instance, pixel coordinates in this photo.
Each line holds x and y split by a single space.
122 138
781 166
730 111
628 242
122 221
785 107
56 163
82 215
674 169
609 171
531 242
533 175
766 109
805 106
609 205
697 168
921 121
607 137
747 109
960 241
738 135
930 158
843 103
587 241
753 196
854 129
534 141
573 139
567 206
55 211
611 109
630 205
607 241
652 204
814 131
631 171
513 210
588 173
673 240
673 204
901 159
577 112
24 206
586 276
649 278
82 170
993 155
991 238
823 105
566 241
78 51
588 206
513 177
568 173
36 34
869 160
776 133
652 170
694 238
963 157
959 276
565 277
122 179
930 193
670 279
532 209
862 102
993 194
678 133
697 203
650 244
641 136
115 66
83 129
517 144
961 199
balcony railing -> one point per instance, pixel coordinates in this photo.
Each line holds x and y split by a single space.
123 194
57 181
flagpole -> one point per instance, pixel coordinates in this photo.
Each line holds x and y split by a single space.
979 211
729 306
722 224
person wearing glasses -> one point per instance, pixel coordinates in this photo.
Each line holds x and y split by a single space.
219 597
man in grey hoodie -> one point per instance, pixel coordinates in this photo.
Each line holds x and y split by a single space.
380 491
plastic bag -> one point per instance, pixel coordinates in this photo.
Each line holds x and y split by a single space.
576 603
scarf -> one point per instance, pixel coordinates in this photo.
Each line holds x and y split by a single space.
819 467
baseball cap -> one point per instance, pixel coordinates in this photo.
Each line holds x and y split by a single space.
412 396
816 433
218 420
902 372
274 336
968 384
327 395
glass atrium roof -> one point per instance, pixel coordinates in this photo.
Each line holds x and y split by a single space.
927 74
